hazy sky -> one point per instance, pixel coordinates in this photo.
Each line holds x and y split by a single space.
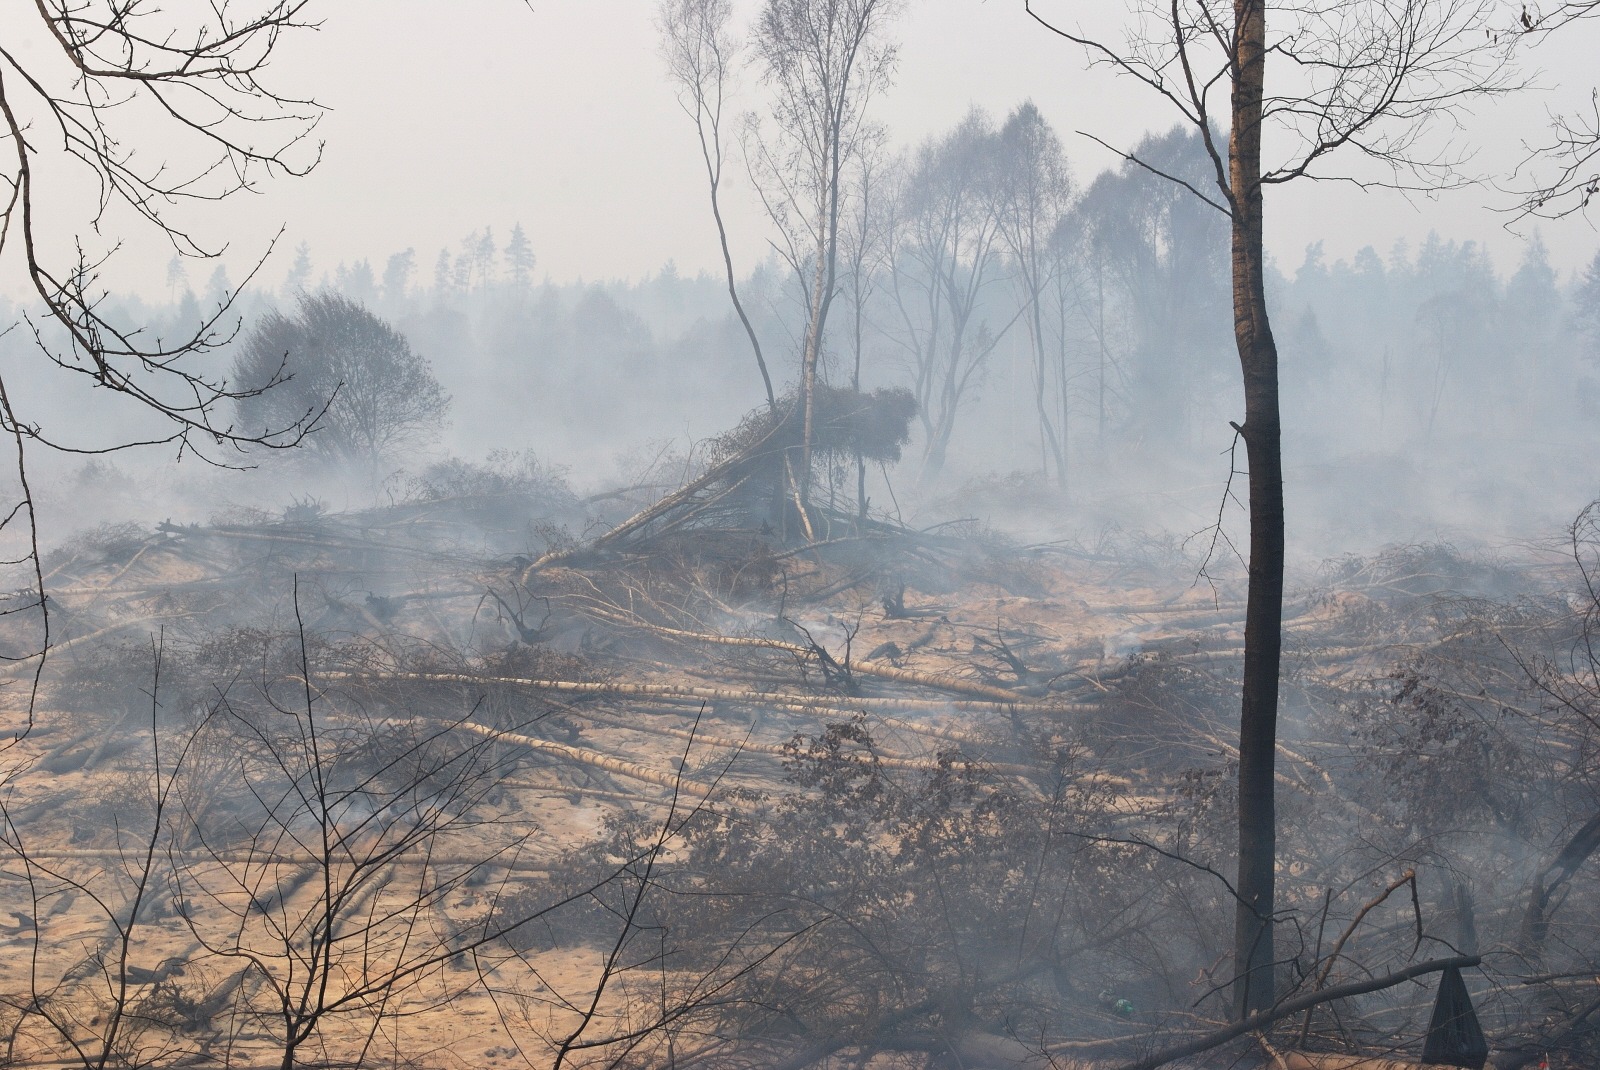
446 117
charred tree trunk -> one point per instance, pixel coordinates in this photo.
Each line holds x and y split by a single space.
1549 881
1254 972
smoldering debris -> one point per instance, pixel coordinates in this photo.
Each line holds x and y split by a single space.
877 792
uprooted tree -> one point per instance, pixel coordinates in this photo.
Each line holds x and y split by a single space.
745 482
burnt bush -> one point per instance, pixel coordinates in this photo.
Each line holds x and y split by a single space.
909 910
1426 570
1166 714
514 497
105 681
503 474
1446 759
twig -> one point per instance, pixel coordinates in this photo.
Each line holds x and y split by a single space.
1408 877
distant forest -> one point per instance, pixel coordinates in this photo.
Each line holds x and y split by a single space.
1065 339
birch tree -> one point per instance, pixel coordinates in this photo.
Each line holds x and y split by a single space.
698 45
823 61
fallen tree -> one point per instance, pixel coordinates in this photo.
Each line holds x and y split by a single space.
1294 1005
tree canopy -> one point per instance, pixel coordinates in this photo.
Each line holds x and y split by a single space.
369 396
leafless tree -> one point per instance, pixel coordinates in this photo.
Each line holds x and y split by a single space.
77 77
1573 149
864 242
823 61
1364 77
700 53
944 254
99 1012
1033 190
330 904
334 869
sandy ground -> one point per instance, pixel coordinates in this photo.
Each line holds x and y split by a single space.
714 677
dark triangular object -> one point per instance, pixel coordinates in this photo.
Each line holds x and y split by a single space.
1454 1036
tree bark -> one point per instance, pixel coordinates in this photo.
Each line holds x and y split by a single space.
1254 970
823 287
820 281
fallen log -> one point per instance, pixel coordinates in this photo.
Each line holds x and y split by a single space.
780 700
317 540
780 750
242 856
1289 1007
868 668
855 706
12 667
584 756
1297 1060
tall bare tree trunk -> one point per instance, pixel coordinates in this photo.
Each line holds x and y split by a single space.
808 370
1254 970
699 50
855 383
824 283
1100 331
733 292
1368 77
1053 449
